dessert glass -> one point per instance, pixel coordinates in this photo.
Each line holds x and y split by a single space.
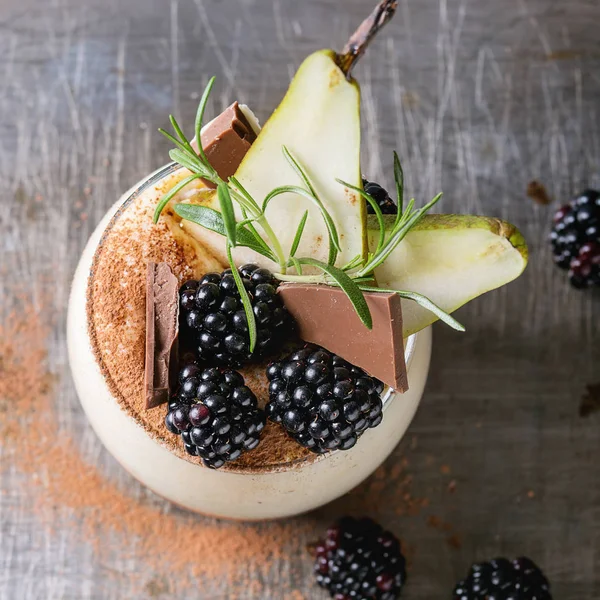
272 490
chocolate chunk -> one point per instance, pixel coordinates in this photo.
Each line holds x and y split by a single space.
225 141
162 328
325 316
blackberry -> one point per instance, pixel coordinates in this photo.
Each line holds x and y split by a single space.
502 579
215 414
584 270
575 239
322 401
383 199
214 322
359 560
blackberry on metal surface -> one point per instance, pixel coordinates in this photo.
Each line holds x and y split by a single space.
575 239
501 579
322 401
214 322
380 195
215 414
358 560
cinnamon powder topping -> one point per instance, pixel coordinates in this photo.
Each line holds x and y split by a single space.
116 309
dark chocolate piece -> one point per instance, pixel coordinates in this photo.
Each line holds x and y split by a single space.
225 141
162 328
325 316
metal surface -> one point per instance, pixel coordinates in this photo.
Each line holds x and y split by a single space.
479 98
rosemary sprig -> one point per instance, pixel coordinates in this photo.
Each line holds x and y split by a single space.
354 278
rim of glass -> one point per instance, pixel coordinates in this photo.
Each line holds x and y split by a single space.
386 397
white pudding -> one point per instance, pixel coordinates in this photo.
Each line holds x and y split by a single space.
105 332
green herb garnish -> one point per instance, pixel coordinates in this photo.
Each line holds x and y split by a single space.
255 232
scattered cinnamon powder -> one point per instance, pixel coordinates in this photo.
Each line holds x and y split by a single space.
436 523
68 493
181 549
23 379
390 487
454 540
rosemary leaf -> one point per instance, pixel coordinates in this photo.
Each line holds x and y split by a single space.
212 220
298 235
351 289
244 192
250 238
404 217
166 197
296 264
334 242
294 189
367 280
244 223
249 223
375 208
200 116
355 262
421 301
227 213
184 141
245 300
407 222
390 245
190 163
399 179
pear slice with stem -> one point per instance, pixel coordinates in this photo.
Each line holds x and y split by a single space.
318 121
316 125
450 259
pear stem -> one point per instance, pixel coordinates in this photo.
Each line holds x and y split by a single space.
368 29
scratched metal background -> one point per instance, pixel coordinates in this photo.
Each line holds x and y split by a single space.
479 97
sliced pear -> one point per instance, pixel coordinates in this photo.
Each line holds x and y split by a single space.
451 259
318 121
